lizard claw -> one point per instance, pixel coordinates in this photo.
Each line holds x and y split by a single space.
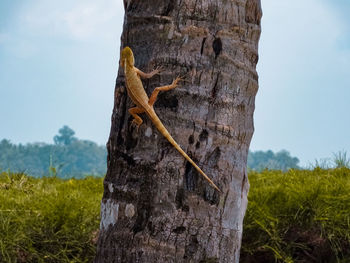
157 70
175 81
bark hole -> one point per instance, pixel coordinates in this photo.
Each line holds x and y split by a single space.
180 200
179 230
167 101
203 136
202 47
198 144
191 139
211 196
168 8
191 176
130 161
217 47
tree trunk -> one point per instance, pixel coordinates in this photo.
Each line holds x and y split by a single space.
156 207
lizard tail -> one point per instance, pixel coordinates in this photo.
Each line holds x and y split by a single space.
156 121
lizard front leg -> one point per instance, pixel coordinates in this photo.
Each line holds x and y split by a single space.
147 75
137 119
155 92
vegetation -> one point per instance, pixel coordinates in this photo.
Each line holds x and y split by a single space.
294 216
281 160
298 216
340 159
48 219
68 157
71 157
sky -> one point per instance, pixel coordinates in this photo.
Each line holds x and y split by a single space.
59 61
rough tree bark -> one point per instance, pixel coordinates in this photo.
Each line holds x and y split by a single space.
156 207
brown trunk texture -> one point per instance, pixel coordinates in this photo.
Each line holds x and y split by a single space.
156 207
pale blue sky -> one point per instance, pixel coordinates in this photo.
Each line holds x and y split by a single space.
58 64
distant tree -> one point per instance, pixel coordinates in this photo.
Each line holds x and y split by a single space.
65 137
6 152
281 160
79 158
68 157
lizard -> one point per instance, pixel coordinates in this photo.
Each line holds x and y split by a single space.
138 95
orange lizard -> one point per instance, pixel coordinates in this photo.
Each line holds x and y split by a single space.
145 105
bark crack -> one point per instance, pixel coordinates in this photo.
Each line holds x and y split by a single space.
202 46
214 89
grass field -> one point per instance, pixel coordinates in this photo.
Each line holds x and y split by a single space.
48 219
297 216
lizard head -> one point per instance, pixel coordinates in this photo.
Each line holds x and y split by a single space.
127 57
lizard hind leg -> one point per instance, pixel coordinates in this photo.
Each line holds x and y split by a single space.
155 92
137 119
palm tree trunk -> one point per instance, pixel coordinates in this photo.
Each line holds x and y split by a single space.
156 207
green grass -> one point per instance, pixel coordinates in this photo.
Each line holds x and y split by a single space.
48 219
297 216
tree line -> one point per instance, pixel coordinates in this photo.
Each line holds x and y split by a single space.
282 160
69 156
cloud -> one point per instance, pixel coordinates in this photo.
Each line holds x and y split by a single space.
90 19
78 20
46 24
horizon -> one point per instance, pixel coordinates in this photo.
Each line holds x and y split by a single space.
59 62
